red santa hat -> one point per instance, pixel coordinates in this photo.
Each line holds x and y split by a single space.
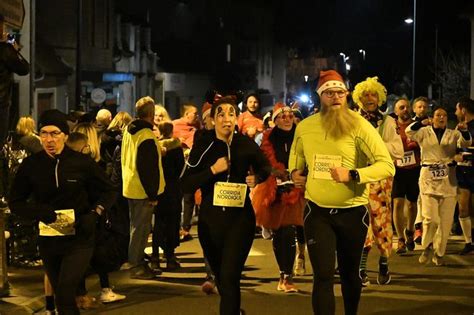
206 110
330 79
279 108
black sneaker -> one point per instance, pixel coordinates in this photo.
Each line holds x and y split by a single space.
172 263
364 278
410 242
384 277
469 247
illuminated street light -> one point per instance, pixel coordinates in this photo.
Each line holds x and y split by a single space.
362 51
409 20
344 56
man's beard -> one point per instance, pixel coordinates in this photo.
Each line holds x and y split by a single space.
339 122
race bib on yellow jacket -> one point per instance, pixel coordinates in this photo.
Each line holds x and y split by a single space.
322 163
64 224
229 194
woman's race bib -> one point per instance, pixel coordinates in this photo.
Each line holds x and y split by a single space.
229 194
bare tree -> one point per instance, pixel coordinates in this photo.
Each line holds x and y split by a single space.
453 77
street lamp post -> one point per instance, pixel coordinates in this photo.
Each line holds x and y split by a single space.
414 50
413 21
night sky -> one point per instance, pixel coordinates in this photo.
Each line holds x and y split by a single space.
185 32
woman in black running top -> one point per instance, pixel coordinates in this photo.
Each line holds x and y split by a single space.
224 164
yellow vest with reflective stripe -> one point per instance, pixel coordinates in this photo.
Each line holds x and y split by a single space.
132 186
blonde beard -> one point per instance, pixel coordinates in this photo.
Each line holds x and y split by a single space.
338 123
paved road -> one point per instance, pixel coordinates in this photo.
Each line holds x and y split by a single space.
415 289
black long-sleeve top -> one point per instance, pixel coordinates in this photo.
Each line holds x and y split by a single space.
245 156
71 180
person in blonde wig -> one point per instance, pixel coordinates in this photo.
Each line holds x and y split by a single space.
120 121
26 134
94 142
161 115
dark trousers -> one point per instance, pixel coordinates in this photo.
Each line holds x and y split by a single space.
284 247
328 231
65 269
188 209
167 223
226 238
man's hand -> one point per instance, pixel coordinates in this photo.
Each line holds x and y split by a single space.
153 203
221 165
458 158
340 174
298 178
462 126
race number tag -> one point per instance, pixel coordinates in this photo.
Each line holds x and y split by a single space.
438 172
63 226
407 160
229 194
322 163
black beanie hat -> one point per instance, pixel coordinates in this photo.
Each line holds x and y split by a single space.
54 117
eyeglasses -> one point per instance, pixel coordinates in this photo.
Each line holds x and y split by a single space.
54 134
331 94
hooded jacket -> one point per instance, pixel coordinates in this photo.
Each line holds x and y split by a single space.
142 173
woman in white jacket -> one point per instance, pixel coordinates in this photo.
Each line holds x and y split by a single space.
437 179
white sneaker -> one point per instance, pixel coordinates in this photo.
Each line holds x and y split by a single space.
300 269
438 260
267 233
108 296
425 255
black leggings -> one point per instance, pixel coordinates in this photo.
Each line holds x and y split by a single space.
65 269
300 234
226 238
328 231
284 248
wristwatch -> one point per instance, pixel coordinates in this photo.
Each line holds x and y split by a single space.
354 174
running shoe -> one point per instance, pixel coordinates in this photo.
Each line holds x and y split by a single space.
286 284
426 255
364 278
87 302
438 260
468 248
418 236
109 296
384 276
402 247
172 263
143 272
267 234
300 269
209 286
410 242
184 235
